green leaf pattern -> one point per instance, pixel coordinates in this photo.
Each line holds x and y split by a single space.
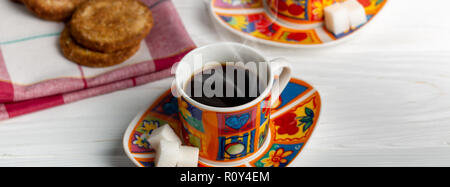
307 120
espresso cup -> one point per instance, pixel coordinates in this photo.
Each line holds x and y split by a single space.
225 134
299 11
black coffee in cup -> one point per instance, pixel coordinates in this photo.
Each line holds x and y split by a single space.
225 86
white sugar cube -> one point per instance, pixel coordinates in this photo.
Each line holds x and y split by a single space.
167 154
336 19
164 132
188 157
356 13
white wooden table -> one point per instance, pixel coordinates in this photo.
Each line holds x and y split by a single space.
386 97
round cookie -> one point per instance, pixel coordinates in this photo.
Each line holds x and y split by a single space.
111 25
54 10
86 57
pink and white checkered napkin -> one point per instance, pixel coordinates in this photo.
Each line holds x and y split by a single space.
34 75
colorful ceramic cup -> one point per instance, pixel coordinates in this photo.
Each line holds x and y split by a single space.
299 11
226 134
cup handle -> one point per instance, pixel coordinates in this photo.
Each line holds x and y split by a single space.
280 84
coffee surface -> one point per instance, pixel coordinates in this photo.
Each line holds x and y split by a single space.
225 86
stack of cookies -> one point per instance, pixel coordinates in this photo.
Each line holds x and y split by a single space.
103 33
99 33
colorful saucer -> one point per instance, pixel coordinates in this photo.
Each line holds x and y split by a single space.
252 19
292 122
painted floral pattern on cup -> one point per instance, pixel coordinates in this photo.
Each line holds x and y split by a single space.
192 115
304 11
238 4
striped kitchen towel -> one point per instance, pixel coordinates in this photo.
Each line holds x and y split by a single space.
34 75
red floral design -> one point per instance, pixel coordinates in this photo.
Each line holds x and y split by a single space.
287 124
296 9
255 18
263 25
297 36
281 5
266 108
365 3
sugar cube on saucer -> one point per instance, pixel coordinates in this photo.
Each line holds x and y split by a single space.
356 13
188 157
336 19
164 132
167 154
